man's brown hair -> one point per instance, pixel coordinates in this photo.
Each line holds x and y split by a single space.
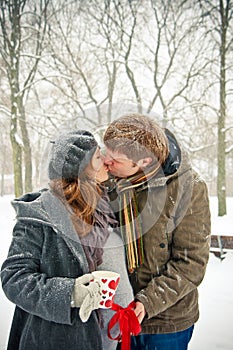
137 136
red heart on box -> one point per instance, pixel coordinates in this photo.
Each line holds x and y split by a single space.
110 294
104 291
108 303
113 284
101 302
104 280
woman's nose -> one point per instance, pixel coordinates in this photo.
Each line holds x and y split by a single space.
102 157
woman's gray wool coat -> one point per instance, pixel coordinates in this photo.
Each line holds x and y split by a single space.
38 275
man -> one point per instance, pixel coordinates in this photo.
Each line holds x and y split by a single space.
163 210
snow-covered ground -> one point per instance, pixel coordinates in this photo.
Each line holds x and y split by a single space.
214 328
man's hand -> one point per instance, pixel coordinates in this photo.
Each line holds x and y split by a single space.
140 311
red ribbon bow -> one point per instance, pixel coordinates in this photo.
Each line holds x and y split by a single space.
128 324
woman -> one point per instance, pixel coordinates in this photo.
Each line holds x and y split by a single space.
57 241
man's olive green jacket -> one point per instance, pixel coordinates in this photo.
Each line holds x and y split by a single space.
175 217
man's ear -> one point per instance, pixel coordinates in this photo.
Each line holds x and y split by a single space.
144 162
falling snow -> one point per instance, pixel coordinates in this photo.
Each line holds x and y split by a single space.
214 328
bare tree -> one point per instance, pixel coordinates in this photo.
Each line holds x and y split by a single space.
85 74
160 56
117 24
158 46
218 17
23 26
6 154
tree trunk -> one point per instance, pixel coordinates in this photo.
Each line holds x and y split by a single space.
13 74
221 182
26 149
17 160
2 183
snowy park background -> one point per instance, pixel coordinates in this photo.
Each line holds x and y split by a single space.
214 328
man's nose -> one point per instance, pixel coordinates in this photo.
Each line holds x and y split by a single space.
108 160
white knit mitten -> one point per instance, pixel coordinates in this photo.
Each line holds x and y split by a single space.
86 295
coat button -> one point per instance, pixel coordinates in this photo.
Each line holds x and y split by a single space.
162 245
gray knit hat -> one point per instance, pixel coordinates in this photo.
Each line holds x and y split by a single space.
70 154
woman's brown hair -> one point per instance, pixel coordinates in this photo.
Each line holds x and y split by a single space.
81 195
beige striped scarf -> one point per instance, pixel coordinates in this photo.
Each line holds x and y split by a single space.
129 216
